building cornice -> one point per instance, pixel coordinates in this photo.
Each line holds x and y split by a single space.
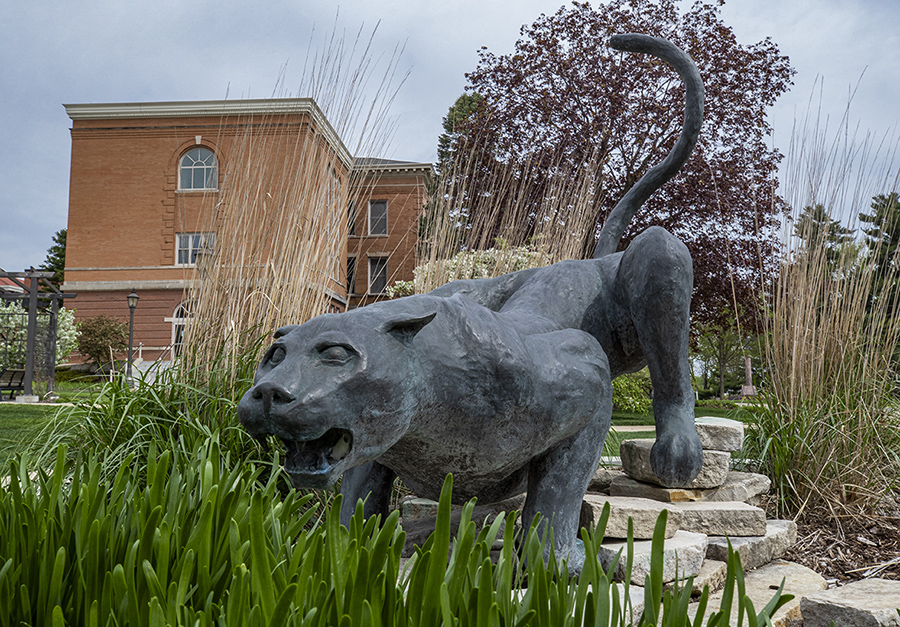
421 169
215 108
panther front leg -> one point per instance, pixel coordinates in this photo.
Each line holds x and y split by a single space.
371 482
558 480
655 278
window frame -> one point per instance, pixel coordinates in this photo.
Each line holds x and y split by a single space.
378 258
351 277
206 241
211 177
369 219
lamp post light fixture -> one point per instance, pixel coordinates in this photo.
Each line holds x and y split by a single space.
133 299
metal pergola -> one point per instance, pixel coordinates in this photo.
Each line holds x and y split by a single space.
49 296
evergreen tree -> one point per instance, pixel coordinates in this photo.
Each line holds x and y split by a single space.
56 258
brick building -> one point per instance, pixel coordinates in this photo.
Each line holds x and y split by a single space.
141 174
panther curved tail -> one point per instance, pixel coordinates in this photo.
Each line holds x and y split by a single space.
624 211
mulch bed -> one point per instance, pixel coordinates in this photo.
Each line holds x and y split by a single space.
848 548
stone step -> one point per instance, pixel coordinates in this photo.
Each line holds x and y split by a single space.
643 513
759 550
726 518
711 575
761 585
603 477
739 486
865 603
636 463
722 518
684 551
719 434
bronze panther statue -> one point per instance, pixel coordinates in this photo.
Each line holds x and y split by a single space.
504 382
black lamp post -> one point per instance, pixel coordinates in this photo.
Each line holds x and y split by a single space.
132 303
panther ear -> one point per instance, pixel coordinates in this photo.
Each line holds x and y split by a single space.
285 330
405 328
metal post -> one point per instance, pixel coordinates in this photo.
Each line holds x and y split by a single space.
132 303
32 331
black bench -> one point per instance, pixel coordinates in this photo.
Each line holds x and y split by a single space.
12 380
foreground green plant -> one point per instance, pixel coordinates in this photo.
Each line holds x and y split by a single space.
194 540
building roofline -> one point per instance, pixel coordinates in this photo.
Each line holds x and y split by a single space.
214 108
388 166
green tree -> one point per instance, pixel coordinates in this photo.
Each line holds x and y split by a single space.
458 117
817 229
101 337
564 101
882 236
56 258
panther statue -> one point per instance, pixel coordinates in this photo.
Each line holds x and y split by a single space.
504 382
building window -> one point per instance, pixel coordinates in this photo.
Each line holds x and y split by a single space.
351 274
190 244
378 218
179 322
351 218
378 275
199 170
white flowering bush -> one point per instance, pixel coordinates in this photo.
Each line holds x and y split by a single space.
14 334
472 264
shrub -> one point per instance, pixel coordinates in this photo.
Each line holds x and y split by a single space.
101 337
631 392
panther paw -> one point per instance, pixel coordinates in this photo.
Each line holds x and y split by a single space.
676 458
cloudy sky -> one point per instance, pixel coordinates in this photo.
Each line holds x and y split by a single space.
74 51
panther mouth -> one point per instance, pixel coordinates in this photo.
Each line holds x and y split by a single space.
317 458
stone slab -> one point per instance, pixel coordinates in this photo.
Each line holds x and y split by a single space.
683 554
761 585
711 576
759 550
417 531
636 463
719 434
417 508
602 479
739 486
720 518
865 603
643 513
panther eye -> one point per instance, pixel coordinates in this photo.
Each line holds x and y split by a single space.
335 354
276 355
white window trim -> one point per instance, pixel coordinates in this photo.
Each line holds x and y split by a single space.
204 244
184 190
387 222
387 274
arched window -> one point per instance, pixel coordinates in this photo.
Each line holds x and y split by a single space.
198 170
179 321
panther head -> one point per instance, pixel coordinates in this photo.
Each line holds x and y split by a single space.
338 390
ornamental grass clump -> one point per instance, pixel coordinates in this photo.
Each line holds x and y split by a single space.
827 429
280 220
196 540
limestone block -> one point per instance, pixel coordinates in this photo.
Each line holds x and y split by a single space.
711 575
643 513
719 434
866 603
761 585
684 551
417 531
416 508
636 463
624 485
602 479
738 486
756 551
721 518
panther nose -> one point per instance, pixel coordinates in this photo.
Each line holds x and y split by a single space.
269 393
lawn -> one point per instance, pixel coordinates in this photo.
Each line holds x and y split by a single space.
19 424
